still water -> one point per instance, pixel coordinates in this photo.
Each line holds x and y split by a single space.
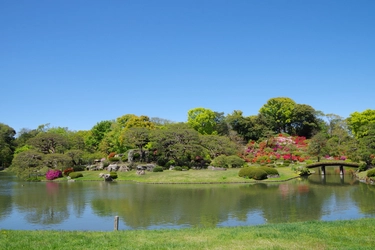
93 205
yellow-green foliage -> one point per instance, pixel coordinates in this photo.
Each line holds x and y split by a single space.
371 173
74 175
270 171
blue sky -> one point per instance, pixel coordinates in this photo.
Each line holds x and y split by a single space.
73 63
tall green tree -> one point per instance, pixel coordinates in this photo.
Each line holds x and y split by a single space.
7 145
250 127
202 120
318 145
367 145
303 121
358 122
98 132
279 113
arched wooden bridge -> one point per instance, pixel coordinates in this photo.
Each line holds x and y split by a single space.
341 164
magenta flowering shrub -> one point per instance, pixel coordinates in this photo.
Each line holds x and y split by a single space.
53 174
283 147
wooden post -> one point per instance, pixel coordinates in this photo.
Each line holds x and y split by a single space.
341 170
116 223
323 170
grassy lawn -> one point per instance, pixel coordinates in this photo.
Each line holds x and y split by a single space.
191 176
354 234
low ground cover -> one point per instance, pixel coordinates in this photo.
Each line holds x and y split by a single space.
352 234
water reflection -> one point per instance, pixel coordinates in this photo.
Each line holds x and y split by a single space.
89 205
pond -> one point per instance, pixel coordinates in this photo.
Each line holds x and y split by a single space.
93 205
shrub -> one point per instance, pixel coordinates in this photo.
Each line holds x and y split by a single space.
157 169
233 161
112 154
304 171
67 171
170 163
270 171
220 161
114 159
75 175
79 168
245 172
124 158
113 175
136 156
371 173
185 168
53 174
259 174
362 167
177 168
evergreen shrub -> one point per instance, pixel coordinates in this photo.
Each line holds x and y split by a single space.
157 169
362 166
177 168
114 159
259 174
270 171
113 175
371 173
79 168
75 175
245 172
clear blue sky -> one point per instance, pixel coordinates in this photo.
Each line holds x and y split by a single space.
73 63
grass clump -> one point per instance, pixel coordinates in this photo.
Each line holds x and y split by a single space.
371 173
75 175
157 169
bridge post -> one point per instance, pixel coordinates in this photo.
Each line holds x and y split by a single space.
341 170
323 168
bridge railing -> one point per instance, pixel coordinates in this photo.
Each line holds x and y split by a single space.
333 163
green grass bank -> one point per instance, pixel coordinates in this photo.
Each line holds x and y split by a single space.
191 176
352 234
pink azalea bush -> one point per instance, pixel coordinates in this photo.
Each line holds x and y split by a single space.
281 147
53 174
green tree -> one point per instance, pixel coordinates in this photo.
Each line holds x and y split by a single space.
49 143
24 135
137 137
367 145
304 121
358 122
7 145
221 125
249 128
180 145
279 113
217 145
76 156
57 161
27 164
318 145
113 142
202 120
98 132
